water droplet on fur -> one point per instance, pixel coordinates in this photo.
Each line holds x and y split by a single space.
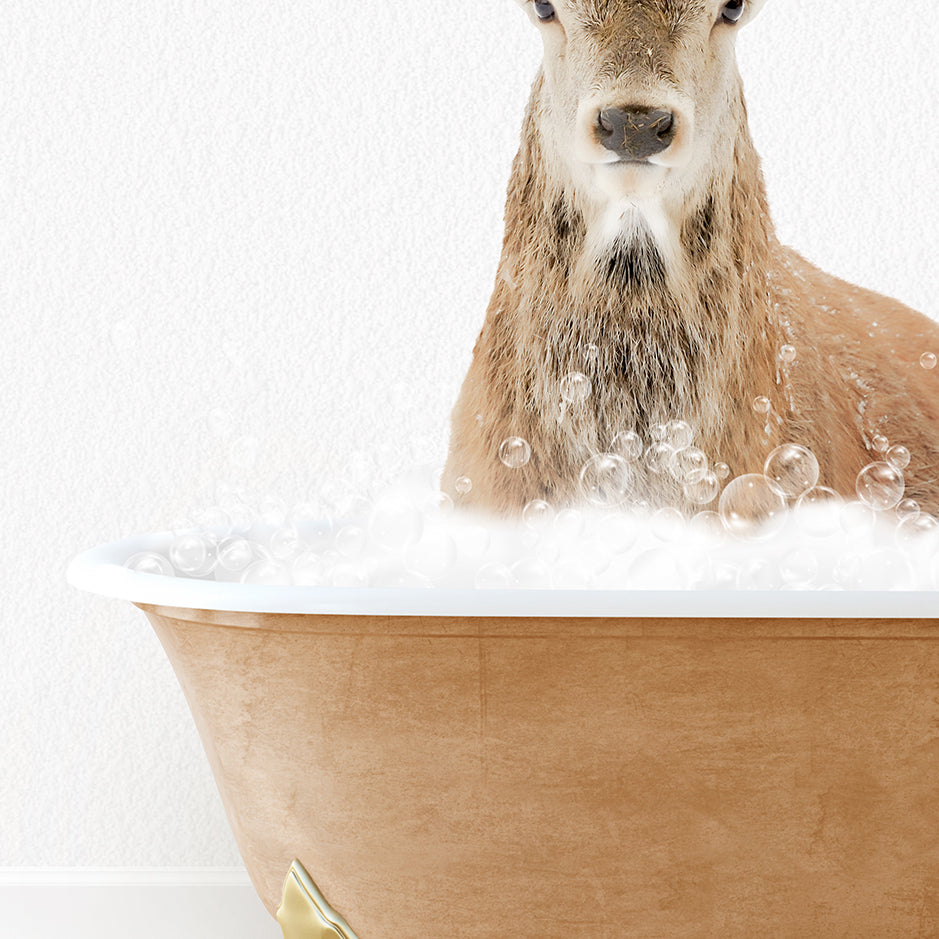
463 485
762 405
787 354
928 360
880 443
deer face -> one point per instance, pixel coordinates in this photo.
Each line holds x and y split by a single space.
640 96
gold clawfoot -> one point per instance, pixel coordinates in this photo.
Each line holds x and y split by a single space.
304 913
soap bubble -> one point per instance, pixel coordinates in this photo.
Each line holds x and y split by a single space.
273 510
628 445
348 576
880 486
787 354
880 443
606 480
150 562
215 522
928 360
514 452
494 576
657 457
857 518
308 569
703 490
678 434
531 574
762 405
907 508
266 572
819 511
537 515
799 567
575 388
569 524
668 524
688 465
235 554
442 503
899 457
434 555
655 569
616 531
708 525
474 542
285 543
921 530
759 574
792 469
721 471
351 541
395 524
752 508
463 485
190 554
658 432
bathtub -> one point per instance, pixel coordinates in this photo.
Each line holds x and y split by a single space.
438 764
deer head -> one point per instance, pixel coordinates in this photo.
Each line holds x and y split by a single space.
640 103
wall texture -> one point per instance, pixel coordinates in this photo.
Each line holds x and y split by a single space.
257 238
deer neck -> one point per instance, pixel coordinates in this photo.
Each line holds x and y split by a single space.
665 307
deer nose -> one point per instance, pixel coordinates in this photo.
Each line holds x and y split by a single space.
636 133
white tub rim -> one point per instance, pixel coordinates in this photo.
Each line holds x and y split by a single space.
101 570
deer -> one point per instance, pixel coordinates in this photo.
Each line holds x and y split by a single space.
640 257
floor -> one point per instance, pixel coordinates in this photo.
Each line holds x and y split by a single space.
144 912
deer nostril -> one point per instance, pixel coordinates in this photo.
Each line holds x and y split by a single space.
636 133
605 121
662 124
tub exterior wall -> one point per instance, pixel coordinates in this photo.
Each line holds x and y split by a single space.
603 778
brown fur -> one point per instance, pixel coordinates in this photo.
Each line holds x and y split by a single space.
701 350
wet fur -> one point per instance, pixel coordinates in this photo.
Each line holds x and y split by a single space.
700 347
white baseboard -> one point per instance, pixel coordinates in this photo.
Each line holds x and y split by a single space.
124 876
146 903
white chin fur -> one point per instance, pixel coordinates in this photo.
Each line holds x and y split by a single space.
628 181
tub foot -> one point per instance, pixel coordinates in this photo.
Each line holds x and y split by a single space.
304 913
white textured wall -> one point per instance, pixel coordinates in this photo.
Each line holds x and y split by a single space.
291 211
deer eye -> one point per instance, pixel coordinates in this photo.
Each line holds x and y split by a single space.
544 10
732 11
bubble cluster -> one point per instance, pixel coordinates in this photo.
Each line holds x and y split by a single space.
779 529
